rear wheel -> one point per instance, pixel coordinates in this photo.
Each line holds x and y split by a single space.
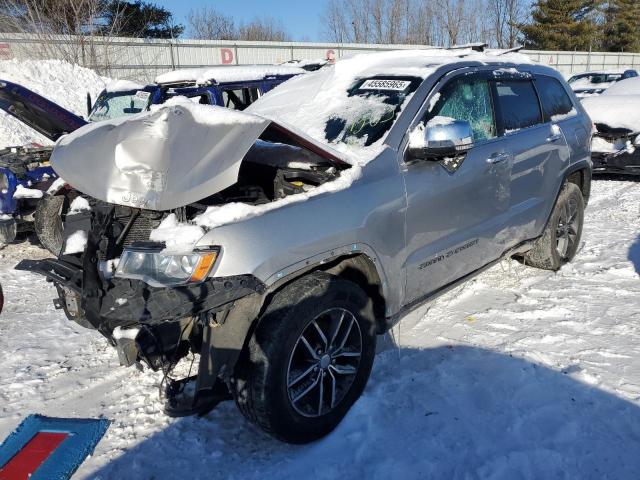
561 238
308 360
48 223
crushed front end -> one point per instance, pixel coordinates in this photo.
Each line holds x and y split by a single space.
616 150
151 321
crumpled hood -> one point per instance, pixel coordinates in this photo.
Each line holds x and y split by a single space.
174 155
158 160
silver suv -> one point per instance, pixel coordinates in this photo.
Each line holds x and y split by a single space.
277 243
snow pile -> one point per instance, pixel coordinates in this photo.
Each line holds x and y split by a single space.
78 205
58 81
56 186
600 145
615 111
217 216
178 237
223 74
76 242
24 192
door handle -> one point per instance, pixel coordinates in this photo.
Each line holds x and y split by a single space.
498 157
555 135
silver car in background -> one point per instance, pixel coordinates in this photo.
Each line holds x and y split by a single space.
278 242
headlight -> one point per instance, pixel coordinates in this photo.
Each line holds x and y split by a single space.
164 270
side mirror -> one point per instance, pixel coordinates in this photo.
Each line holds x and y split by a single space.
441 137
89 104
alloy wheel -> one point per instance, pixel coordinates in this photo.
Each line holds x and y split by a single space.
324 362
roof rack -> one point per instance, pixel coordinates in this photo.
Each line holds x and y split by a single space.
476 47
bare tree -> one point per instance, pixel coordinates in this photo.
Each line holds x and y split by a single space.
207 23
70 30
505 16
263 29
424 22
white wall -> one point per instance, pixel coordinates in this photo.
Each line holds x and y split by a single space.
142 59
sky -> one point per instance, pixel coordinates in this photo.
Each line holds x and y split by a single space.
300 17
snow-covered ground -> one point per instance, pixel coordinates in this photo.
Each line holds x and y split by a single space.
520 373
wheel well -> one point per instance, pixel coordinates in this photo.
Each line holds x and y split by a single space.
359 269
583 180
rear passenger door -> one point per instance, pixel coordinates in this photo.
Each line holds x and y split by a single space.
539 153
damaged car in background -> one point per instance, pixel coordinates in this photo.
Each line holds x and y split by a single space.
25 174
616 117
276 243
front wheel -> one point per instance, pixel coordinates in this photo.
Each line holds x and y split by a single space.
48 223
561 238
309 358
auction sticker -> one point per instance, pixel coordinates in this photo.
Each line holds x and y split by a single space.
381 84
142 95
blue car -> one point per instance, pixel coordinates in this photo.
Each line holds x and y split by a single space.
25 175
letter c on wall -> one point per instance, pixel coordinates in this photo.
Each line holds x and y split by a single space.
331 56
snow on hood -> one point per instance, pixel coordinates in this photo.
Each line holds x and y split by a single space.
615 111
176 154
158 160
628 86
222 74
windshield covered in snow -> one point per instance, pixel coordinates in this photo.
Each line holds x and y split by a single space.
374 106
117 104
593 80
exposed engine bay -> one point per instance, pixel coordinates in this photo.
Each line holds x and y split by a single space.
21 160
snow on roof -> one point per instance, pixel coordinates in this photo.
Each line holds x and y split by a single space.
615 111
123 86
628 86
231 73
307 102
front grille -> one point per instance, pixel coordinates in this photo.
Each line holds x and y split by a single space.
141 228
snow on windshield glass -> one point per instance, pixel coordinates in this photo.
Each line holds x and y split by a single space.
596 80
117 104
372 108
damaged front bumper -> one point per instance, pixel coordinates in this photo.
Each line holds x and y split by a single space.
158 326
121 302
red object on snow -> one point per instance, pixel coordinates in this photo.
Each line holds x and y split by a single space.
32 455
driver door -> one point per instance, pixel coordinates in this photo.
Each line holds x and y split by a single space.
454 214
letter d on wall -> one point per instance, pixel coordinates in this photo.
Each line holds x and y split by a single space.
226 56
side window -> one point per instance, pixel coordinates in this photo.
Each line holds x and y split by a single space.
240 98
519 106
555 101
467 99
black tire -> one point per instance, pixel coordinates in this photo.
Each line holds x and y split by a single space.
48 223
550 251
262 385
